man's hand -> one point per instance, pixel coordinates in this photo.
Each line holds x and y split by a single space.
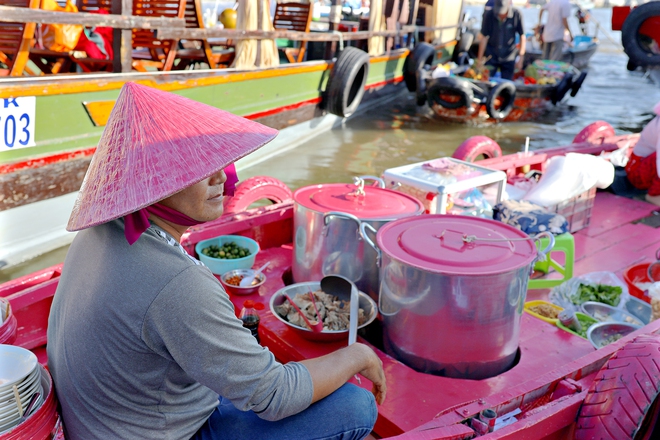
374 372
519 61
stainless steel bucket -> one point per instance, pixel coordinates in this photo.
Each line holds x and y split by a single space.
451 307
327 230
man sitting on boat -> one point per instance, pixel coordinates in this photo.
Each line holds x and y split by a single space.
553 31
497 39
642 167
142 339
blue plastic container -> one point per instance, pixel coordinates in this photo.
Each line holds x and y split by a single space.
220 265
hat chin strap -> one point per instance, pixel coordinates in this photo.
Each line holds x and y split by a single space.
137 222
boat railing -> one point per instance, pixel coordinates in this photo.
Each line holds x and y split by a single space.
167 28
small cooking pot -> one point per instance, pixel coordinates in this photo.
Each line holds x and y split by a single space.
326 222
452 290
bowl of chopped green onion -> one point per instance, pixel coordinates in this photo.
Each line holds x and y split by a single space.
605 333
227 252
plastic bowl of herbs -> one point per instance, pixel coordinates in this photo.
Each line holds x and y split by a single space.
227 252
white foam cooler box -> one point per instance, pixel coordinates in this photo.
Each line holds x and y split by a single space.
449 186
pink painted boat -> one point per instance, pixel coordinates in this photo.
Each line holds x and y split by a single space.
559 387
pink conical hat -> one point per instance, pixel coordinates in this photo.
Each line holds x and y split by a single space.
154 145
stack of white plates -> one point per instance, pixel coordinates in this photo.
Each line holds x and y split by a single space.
19 376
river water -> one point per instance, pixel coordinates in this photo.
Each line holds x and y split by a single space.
399 132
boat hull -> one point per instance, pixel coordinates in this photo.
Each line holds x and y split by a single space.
578 57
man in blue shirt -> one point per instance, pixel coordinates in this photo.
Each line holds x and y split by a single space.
497 39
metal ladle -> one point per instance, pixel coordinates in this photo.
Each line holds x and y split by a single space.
344 288
654 268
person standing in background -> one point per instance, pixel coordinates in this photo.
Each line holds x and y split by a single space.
553 31
497 39
642 167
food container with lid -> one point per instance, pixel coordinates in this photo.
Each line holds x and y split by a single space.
326 224
452 292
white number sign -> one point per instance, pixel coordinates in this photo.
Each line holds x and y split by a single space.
17 122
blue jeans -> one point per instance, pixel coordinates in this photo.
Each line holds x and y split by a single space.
348 413
506 68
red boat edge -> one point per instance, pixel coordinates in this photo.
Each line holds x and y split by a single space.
555 370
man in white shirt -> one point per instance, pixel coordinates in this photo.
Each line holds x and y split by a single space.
553 31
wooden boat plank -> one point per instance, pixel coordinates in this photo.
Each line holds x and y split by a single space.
612 211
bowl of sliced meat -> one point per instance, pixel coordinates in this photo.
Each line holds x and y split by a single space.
333 311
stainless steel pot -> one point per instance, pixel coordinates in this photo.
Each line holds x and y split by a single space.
452 290
326 223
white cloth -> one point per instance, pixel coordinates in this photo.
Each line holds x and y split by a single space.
649 141
568 176
554 27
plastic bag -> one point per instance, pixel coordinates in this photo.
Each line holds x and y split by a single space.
568 176
60 37
564 294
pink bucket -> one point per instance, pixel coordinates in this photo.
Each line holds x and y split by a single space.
43 423
9 328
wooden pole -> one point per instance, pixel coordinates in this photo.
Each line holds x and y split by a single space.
333 24
24 15
201 34
122 46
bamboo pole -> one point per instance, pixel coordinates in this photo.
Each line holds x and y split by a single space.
200 34
24 15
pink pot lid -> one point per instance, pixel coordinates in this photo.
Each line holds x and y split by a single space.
374 203
435 243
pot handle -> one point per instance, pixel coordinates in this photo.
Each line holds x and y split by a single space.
328 216
365 237
544 253
359 180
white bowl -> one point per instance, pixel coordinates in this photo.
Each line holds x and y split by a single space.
15 364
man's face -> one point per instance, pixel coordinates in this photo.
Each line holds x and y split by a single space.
201 201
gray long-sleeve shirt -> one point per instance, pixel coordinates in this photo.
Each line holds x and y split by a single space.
142 339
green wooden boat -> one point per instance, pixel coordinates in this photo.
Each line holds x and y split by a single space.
50 124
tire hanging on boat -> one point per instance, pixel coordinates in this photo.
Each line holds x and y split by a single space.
622 402
500 99
346 83
475 146
439 88
422 55
255 189
575 88
595 132
562 88
632 44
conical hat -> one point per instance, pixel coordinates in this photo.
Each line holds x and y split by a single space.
154 145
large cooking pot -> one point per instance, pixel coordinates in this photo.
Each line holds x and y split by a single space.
326 223
452 290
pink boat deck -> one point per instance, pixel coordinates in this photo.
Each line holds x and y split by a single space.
611 242
421 404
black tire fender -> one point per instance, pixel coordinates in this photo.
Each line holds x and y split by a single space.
575 88
505 92
622 402
346 83
562 88
450 86
464 44
630 31
423 54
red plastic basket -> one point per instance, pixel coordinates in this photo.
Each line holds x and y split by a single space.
637 274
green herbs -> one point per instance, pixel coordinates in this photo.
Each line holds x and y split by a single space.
601 292
228 251
611 339
585 323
